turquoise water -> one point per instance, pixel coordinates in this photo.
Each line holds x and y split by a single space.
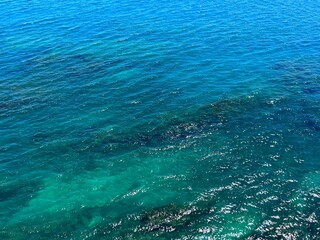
159 119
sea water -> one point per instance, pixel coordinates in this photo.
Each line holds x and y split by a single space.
159 119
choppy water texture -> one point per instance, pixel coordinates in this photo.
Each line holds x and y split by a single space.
159 119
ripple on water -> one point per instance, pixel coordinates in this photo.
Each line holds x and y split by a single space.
167 120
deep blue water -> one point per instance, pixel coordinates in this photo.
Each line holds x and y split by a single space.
159 119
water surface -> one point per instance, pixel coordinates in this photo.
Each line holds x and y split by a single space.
159 119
